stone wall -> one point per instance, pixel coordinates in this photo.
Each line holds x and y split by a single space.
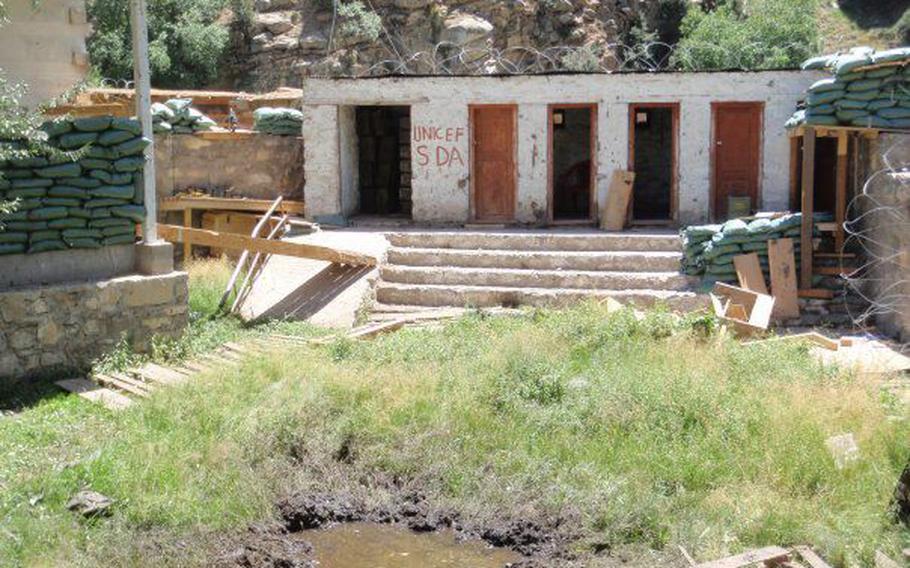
258 166
66 326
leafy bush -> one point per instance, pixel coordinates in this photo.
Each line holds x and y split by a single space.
186 43
767 34
357 23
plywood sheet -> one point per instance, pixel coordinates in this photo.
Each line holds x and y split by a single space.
616 208
783 278
748 270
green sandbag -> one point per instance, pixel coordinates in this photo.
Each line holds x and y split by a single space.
724 260
820 62
31 162
712 251
701 232
882 73
130 164
735 227
82 234
111 178
7 237
56 127
872 121
851 62
900 122
851 104
847 115
119 240
4 183
77 140
38 236
114 137
179 106
12 248
14 216
103 202
864 85
878 104
755 247
96 164
114 231
889 113
759 227
162 112
161 128
100 153
84 243
47 213
822 120
131 147
827 97
28 204
61 202
33 182
79 212
101 213
134 212
898 54
67 223
70 170
821 109
18 174
864 95
114 191
27 192
83 182
28 226
786 222
130 125
112 222
46 246
92 123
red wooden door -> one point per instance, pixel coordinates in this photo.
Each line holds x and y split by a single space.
493 156
737 143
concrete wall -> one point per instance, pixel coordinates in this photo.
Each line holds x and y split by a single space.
44 48
441 187
66 326
259 166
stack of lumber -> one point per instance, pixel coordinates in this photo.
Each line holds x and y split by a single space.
869 89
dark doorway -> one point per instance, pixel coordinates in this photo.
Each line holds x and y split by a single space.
384 160
653 161
572 161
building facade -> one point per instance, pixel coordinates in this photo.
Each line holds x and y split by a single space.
541 149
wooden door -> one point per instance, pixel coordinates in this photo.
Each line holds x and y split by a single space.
493 162
737 154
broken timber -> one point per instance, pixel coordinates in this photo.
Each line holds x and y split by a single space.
181 203
202 237
770 556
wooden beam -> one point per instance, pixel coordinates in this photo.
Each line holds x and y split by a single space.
188 223
771 553
201 237
817 293
91 391
228 204
840 192
808 207
794 173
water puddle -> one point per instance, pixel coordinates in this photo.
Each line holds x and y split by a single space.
370 545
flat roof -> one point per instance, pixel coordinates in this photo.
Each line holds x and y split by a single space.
553 74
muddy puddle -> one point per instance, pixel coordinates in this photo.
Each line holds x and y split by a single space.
372 545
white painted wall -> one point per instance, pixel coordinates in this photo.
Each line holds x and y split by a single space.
441 188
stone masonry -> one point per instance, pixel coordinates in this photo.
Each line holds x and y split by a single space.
67 326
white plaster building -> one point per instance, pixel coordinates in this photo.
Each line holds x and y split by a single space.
542 149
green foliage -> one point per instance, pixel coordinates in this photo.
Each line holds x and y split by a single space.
902 29
186 42
769 34
358 24
585 59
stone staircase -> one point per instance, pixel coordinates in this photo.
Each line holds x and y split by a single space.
536 268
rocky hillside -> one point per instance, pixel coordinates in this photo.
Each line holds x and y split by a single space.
282 41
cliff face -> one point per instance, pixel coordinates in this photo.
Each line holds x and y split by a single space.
283 41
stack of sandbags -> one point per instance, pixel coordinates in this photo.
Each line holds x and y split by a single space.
278 121
869 89
177 116
709 249
89 203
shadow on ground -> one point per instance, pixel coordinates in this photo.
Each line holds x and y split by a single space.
878 14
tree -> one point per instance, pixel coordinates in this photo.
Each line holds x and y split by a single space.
764 34
187 43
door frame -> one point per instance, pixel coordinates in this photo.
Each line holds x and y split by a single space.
674 178
760 105
473 181
592 190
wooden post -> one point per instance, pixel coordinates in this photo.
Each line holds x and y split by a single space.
808 197
188 223
143 81
794 172
840 195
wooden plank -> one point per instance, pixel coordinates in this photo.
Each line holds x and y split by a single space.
195 366
817 293
810 337
124 383
748 270
757 306
90 391
158 374
179 203
783 278
810 557
808 208
840 191
188 223
737 312
770 553
241 264
202 237
794 173
616 207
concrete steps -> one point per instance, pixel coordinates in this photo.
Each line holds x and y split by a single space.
511 268
519 278
489 296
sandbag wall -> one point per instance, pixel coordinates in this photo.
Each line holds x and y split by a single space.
278 121
869 89
709 249
88 203
177 116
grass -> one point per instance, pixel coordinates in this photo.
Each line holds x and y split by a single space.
646 433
